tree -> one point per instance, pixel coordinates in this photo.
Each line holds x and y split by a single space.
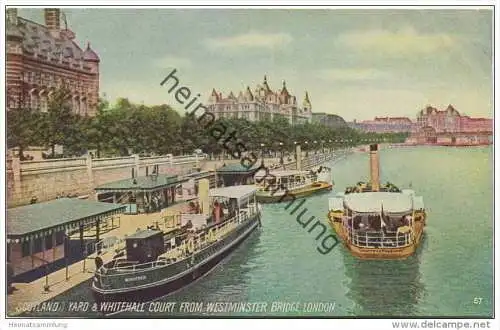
21 129
57 124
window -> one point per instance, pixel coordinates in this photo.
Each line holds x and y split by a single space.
43 104
33 102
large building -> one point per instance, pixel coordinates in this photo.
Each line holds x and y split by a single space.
329 120
44 58
448 127
385 125
261 104
450 120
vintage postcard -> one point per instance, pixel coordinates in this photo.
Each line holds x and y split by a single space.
249 162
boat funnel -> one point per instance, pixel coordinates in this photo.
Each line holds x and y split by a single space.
203 196
298 154
374 167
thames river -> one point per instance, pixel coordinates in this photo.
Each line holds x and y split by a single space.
450 275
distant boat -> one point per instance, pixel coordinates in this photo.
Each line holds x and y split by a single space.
157 263
278 186
378 222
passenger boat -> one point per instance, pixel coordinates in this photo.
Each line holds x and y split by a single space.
278 186
157 263
378 222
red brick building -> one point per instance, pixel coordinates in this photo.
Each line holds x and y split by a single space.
448 127
450 120
43 58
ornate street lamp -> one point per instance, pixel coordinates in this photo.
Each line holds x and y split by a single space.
281 152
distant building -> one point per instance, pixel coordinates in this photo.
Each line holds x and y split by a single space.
385 125
42 58
450 120
448 127
263 103
329 120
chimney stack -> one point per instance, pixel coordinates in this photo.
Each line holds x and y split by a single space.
374 167
204 196
12 16
52 19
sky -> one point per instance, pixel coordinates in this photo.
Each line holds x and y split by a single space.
356 63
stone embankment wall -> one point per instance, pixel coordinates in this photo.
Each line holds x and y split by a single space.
47 179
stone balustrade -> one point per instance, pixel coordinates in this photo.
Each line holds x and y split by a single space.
47 179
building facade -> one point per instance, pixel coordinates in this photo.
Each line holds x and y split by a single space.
450 121
448 127
329 120
43 58
261 104
385 125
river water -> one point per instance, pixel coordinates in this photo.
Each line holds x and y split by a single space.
450 275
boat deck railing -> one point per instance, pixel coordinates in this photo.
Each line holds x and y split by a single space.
286 187
379 239
182 251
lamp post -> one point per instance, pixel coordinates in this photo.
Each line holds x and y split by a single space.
330 146
307 150
295 149
281 152
262 145
315 147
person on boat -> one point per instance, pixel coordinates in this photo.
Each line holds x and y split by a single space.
217 212
357 222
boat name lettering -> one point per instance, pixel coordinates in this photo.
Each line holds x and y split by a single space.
137 278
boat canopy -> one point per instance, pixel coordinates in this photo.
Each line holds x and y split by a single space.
238 192
336 204
277 174
408 192
418 203
373 202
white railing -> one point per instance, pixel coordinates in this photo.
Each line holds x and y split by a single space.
185 159
106 162
157 160
36 165
275 188
379 239
64 163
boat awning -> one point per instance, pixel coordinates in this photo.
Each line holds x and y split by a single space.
373 202
336 204
408 192
280 174
238 169
237 192
418 203
142 183
41 219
